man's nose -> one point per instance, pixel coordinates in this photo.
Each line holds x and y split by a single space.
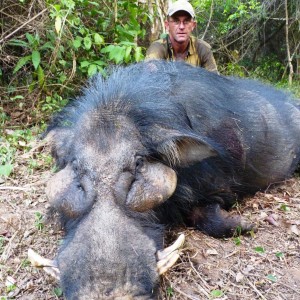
181 25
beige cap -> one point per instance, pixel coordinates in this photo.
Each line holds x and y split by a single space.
181 5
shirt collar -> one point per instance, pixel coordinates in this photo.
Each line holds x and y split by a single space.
191 48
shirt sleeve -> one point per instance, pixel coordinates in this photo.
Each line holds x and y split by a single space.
156 51
206 57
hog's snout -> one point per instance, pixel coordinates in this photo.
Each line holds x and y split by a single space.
109 255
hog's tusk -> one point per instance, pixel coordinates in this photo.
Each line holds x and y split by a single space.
165 264
168 256
48 265
161 254
53 271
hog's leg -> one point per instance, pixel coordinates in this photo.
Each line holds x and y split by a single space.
217 222
167 257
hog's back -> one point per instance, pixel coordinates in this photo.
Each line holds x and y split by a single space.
255 124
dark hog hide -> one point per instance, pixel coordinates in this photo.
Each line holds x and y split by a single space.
156 144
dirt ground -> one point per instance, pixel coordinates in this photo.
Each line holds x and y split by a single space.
264 265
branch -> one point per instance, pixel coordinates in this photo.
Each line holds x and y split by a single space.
19 28
287 42
161 17
209 20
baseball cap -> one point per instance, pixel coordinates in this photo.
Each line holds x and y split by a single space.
181 5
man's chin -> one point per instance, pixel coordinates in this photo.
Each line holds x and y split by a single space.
182 39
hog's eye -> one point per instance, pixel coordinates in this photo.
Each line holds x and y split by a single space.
139 163
75 166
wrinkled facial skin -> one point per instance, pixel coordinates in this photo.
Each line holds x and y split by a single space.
110 246
180 27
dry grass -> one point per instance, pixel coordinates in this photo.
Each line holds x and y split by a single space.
206 264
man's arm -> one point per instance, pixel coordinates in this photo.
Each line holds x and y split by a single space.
206 57
157 50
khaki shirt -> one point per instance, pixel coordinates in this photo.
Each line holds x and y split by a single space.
199 53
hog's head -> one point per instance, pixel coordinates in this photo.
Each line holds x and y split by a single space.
114 169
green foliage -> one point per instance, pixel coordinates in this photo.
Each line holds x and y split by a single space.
39 221
14 142
284 208
2 242
272 278
269 67
7 153
79 39
25 263
229 13
34 47
259 249
170 291
237 241
279 255
57 292
216 294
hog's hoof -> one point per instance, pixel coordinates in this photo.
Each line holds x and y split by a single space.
217 222
48 265
167 257
247 226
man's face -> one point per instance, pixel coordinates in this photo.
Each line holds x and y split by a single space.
180 26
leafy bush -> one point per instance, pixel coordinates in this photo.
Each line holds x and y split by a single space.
77 39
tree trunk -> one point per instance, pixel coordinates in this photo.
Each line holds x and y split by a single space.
287 42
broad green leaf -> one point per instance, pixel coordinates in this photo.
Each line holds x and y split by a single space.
22 61
127 54
107 49
57 7
5 170
216 293
272 277
58 292
92 70
30 38
99 40
41 76
62 78
36 58
117 54
259 249
77 43
237 241
58 23
99 63
62 62
82 30
76 21
284 207
87 43
138 55
47 45
279 254
84 64
69 3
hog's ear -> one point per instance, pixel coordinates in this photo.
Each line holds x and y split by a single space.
153 184
184 149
